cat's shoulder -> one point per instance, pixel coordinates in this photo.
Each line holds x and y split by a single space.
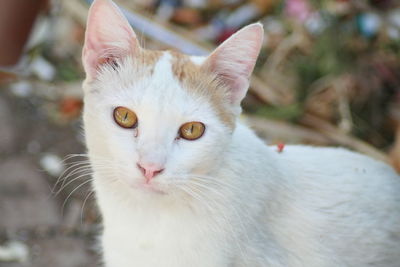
311 158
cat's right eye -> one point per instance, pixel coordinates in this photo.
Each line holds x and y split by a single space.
125 117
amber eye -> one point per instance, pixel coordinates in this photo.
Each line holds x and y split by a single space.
192 130
125 117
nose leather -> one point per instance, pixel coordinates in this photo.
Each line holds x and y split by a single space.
149 170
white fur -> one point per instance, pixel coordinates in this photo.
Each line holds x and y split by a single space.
228 199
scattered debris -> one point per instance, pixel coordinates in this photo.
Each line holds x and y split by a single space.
71 107
14 251
21 88
43 69
52 164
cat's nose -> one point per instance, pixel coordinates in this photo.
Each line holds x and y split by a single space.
149 170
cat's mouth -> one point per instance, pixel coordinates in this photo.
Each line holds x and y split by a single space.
152 188
145 186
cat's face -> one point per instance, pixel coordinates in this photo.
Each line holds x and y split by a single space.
155 119
135 115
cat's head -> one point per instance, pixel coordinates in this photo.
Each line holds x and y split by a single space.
153 119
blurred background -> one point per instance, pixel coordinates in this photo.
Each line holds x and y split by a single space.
328 74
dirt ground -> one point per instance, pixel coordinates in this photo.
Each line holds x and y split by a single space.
30 214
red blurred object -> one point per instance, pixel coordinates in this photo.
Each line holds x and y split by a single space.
225 34
280 146
71 107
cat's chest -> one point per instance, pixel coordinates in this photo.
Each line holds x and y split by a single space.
155 231
148 239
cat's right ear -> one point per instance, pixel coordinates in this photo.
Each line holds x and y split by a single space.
108 37
234 60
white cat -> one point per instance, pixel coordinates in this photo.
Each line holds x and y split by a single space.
180 181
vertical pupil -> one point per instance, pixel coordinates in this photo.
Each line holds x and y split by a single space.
126 116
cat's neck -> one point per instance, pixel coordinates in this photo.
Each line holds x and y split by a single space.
248 154
251 166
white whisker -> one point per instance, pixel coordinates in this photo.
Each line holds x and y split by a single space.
73 191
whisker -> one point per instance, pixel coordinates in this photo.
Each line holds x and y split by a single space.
73 191
84 202
73 180
71 173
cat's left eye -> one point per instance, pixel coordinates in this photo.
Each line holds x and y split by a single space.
192 130
125 117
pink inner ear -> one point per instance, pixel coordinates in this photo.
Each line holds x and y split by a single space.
233 61
109 37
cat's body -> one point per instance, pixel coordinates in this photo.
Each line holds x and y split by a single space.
224 198
344 214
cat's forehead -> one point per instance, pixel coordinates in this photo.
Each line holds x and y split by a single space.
163 80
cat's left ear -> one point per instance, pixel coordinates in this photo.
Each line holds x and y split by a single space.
233 61
108 37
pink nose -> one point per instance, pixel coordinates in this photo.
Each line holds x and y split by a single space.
149 170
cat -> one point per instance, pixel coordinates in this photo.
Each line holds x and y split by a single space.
181 181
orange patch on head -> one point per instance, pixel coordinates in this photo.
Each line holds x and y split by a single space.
201 82
149 58
145 61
